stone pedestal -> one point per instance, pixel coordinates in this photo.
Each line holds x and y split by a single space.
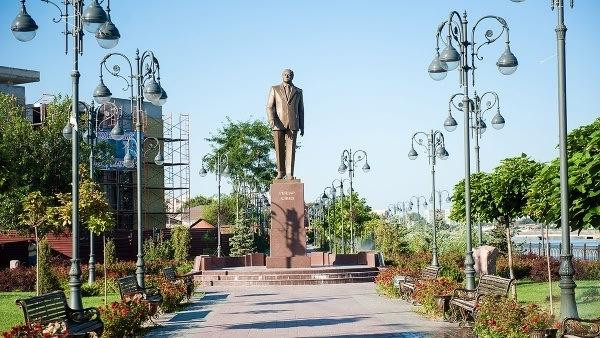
288 234
485 260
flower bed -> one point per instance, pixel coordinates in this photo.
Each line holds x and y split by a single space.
37 330
504 317
428 291
384 282
125 318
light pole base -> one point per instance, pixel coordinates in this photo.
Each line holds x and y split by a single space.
140 270
568 306
75 285
469 271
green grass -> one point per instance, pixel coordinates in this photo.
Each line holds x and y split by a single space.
11 314
587 296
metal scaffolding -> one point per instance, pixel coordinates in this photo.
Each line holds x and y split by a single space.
175 187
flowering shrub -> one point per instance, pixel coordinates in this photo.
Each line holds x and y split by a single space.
384 282
36 330
499 317
125 318
173 294
427 290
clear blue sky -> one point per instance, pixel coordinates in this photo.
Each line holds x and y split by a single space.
362 66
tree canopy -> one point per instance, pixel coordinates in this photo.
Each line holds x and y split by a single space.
248 145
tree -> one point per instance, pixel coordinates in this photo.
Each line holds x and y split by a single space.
481 197
583 145
37 214
248 145
197 201
228 210
242 240
390 238
181 240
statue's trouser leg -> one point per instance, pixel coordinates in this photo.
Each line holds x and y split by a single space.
290 152
279 138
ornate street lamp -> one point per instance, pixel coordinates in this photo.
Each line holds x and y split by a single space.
418 202
348 163
96 117
147 70
433 143
457 31
221 165
24 29
568 306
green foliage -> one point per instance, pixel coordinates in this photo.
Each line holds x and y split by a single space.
111 252
11 207
390 239
181 241
48 280
481 197
228 210
242 241
247 145
338 214
157 249
38 213
198 200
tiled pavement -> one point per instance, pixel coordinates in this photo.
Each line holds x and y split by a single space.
343 310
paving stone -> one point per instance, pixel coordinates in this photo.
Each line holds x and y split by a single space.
338 310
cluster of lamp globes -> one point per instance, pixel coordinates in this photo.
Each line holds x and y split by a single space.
95 20
450 58
440 152
343 167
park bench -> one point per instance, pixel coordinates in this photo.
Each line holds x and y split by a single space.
407 286
171 276
52 307
581 328
464 302
128 286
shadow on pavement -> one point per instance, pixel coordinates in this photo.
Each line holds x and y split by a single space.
295 301
256 312
311 322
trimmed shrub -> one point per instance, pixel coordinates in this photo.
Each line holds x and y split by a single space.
48 279
181 241
125 318
173 294
110 252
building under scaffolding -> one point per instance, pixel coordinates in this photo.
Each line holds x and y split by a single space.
174 189
167 186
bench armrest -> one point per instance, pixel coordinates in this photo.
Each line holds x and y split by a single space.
85 315
464 294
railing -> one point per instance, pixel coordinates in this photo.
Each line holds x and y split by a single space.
585 251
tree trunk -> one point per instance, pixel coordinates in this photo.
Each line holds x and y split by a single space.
37 262
547 249
510 258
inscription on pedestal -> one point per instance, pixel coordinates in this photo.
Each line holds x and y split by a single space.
288 235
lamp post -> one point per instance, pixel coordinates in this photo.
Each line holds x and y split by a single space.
90 136
348 163
221 163
433 143
96 21
568 306
418 202
450 59
440 194
338 183
325 197
146 85
477 123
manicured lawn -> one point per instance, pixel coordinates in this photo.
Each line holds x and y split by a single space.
587 296
11 314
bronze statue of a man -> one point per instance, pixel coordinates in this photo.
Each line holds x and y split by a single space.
285 111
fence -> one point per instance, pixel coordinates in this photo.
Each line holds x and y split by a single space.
585 251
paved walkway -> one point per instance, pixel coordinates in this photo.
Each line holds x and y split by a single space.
343 310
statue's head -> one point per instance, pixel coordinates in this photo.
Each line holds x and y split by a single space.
287 75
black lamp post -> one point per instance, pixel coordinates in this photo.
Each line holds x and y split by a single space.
348 163
96 21
450 59
433 143
221 164
568 306
146 85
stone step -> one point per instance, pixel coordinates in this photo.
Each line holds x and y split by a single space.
366 279
251 277
288 271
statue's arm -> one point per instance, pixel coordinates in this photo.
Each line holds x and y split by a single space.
301 113
271 111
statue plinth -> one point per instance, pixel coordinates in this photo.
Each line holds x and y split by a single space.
288 234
